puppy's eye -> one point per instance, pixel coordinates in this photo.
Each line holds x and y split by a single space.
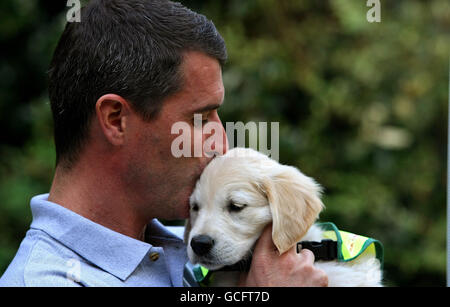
233 207
194 207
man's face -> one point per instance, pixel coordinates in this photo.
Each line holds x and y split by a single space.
162 181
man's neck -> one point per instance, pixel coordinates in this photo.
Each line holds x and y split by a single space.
98 197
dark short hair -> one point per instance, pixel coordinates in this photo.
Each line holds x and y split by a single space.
132 48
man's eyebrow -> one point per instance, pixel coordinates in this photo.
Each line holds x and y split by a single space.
207 108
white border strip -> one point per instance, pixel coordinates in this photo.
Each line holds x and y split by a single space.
448 182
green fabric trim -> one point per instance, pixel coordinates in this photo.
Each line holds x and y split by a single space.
202 275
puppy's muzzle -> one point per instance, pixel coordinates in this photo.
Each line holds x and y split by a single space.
202 244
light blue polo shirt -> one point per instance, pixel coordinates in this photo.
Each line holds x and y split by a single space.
62 248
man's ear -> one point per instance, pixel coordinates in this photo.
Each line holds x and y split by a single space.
295 204
112 111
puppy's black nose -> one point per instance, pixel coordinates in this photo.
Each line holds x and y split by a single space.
202 244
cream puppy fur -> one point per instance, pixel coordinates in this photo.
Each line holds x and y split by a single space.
238 194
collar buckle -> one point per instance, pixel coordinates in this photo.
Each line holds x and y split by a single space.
324 250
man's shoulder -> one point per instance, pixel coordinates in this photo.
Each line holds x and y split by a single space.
40 261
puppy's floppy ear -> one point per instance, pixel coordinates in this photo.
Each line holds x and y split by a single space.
295 204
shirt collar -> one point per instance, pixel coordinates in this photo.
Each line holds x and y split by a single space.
111 251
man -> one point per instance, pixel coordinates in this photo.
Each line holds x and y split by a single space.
119 80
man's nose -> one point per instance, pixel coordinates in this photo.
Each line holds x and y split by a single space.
202 244
218 138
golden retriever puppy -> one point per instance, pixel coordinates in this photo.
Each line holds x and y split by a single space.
238 194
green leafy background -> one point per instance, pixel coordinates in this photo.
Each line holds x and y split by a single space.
362 107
